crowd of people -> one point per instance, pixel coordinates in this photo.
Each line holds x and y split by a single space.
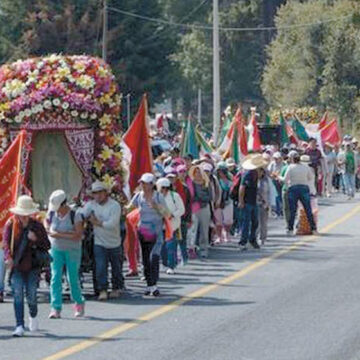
177 213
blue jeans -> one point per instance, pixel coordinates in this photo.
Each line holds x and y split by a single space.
250 223
29 281
102 258
349 183
300 193
2 271
278 199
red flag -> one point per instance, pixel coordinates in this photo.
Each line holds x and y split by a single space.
323 121
254 136
10 177
330 133
241 133
160 122
137 146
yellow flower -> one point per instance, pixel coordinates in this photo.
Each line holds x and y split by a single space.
62 72
2 132
5 106
106 153
106 99
53 58
102 72
105 120
80 67
86 82
98 166
14 88
118 155
108 181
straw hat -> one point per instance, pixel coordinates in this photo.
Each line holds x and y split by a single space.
25 206
254 162
305 159
203 174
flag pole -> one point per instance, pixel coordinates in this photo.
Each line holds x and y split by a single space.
17 185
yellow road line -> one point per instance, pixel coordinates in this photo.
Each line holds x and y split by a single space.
194 295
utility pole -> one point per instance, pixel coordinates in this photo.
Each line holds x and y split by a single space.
128 96
216 71
105 30
199 106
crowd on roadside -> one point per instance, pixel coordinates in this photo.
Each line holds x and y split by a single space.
177 213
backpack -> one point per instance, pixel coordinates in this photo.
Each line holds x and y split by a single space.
72 217
234 190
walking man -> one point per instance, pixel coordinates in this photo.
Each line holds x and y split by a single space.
104 214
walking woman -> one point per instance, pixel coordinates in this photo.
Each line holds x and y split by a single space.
203 197
176 207
65 230
224 214
152 208
23 237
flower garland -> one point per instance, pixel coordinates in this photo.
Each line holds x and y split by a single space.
308 115
76 88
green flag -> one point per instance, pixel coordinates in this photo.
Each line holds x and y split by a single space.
225 128
299 129
190 143
284 135
204 146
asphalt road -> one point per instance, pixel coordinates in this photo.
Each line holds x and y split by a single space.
296 298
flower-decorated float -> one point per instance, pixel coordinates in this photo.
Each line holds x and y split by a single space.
70 109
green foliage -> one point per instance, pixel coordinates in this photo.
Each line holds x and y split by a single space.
317 64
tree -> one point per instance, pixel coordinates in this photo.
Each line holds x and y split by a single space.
317 64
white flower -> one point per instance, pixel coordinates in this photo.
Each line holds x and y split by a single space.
28 112
56 102
47 104
39 108
74 113
40 64
93 116
17 119
65 105
84 115
21 114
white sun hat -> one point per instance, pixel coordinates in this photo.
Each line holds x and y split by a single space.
25 206
56 199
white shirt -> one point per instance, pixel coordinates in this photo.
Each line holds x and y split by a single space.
176 207
297 174
107 235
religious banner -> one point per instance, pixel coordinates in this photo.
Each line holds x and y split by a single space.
10 177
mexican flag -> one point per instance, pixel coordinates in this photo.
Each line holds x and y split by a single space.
299 129
137 146
254 142
235 143
287 132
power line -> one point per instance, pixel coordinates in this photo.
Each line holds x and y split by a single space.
192 12
207 27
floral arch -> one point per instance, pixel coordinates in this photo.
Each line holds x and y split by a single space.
76 95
